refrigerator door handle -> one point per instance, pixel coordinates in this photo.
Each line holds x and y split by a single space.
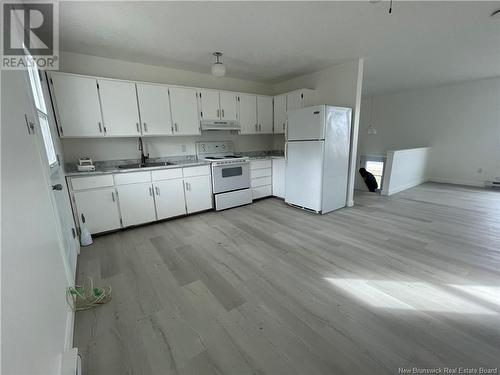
286 147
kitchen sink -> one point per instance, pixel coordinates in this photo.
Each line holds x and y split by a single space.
145 165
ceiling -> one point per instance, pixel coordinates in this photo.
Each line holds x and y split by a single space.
420 44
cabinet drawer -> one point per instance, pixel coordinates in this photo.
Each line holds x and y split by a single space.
92 182
260 164
261 192
132 178
266 172
261 181
166 174
201 170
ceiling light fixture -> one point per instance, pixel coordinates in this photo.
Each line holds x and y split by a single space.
218 68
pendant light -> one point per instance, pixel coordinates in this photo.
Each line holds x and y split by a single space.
218 68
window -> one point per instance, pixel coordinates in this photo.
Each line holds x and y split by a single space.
43 119
376 168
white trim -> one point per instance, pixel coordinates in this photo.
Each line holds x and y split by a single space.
456 182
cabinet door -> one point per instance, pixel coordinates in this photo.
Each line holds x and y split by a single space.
248 114
228 106
100 209
265 114
154 108
136 203
198 193
279 114
77 101
279 177
119 108
184 106
210 105
294 100
169 197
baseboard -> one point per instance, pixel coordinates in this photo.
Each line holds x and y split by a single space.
457 182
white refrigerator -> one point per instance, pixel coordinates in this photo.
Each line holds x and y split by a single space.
317 157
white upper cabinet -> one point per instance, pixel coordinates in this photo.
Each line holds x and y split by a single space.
280 114
119 108
294 100
210 104
228 106
77 102
248 114
265 114
184 105
154 108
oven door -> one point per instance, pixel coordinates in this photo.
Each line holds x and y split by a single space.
230 177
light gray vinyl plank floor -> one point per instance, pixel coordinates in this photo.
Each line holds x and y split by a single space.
407 281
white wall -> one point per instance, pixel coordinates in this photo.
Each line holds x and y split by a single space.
127 148
338 85
405 169
460 122
109 149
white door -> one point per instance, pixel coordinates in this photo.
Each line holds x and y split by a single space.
265 114
77 102
210 104
279 114
304 174
119 108
279 177
99 209
248 114
154 108
228 106
31 249
294 100
136 203
169 197
198 193
306 123
184 105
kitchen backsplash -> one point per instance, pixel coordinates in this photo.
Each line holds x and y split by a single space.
127 148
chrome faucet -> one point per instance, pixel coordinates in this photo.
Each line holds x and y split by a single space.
141 149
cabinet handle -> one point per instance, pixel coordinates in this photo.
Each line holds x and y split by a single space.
105 130
100 128
260 127
188 187
145 127
218 112
113 196
150 191
283 126
157 190
222 113
176 128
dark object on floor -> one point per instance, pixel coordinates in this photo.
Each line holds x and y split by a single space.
370 181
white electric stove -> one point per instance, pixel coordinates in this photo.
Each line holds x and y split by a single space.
230 174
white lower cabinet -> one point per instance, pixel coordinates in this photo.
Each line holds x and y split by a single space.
137 204
279 177
260 178
198 191
169 197
99 208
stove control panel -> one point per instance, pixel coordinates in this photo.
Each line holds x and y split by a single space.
207 148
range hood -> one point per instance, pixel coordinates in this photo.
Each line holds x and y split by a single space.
220 125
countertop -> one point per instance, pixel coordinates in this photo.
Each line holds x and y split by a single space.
111 166
71 171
